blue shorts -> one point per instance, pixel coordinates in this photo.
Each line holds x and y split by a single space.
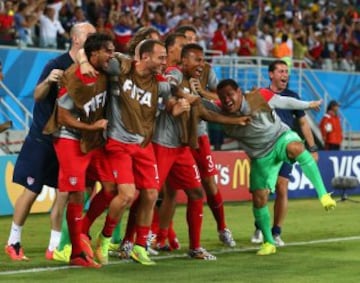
36 165
285 170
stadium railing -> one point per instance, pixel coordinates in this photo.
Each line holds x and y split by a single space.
252 72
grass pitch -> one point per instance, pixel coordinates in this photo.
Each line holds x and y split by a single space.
321 247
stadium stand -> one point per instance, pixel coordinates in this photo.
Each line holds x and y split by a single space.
321 35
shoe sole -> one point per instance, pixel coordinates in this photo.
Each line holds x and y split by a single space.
86 245
85 265
23 258
136 259
101 259
269 253
113 253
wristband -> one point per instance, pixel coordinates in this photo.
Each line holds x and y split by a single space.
313 148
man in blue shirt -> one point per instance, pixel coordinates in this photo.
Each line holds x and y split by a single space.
37 164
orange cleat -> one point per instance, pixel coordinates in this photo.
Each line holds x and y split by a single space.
84 261
86 245
49 255
174 244
15 252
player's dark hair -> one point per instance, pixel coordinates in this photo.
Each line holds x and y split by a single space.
95 42
227 82
185 28
171 39
140 35
274 64
190 47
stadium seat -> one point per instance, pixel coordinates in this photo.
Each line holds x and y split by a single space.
343 184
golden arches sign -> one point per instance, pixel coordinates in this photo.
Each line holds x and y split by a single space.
241 173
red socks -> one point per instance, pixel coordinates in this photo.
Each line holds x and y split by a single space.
216 205
74 220
109 226
142 233
194 217
97 206
131 224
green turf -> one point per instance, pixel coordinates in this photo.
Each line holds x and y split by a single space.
302 261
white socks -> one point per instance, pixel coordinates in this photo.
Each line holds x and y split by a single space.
15 234
54 240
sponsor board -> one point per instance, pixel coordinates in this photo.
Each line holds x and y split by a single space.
234 168
232 178
9 191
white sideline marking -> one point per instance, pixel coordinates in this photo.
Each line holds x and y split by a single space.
221 251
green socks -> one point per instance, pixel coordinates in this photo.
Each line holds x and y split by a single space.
263 221
116 235
311 170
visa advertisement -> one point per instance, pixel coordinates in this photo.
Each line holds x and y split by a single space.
232 179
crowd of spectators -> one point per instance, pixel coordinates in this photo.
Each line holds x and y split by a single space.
324 33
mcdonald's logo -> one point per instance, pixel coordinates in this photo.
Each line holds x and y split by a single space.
241 173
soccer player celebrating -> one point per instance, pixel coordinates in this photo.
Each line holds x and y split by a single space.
175 161
279 76
269 143
132 114
78 126
204 84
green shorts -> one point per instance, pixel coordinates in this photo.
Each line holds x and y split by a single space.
264 170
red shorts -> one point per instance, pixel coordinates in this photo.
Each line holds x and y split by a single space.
178 166
133 164
99 169
204 158
74 165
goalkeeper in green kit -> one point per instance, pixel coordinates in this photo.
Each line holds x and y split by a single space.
268 142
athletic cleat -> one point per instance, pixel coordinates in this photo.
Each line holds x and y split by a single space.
15 252
152 251
151 244
151 239
140 255
201 253
226 237
102 248
63 255
86 245
278 241
174 244
49 255
266 249
85 261
125 250
328 202
114 250
257 238
163 248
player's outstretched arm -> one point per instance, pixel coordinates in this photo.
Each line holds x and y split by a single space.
315 105
65 118
285 102
212 116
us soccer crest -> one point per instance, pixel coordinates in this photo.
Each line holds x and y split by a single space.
30 180
73 181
